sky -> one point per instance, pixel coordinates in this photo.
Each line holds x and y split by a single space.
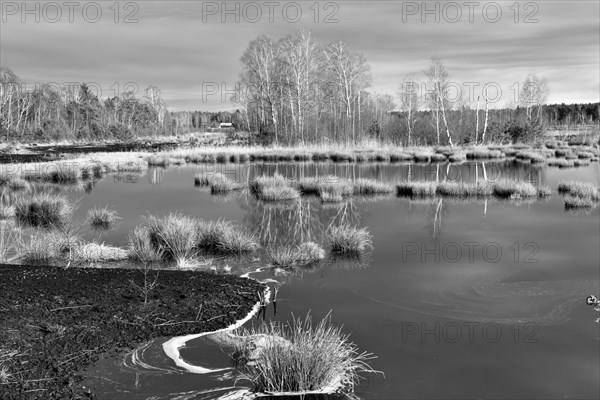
191 49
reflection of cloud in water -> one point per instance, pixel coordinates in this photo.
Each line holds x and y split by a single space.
494 301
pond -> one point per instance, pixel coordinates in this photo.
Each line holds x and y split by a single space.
457 299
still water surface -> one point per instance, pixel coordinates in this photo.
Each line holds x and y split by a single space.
481 299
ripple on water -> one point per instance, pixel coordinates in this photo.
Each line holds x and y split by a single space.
494 301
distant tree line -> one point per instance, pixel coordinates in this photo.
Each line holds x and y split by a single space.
293 90
507 125
48 113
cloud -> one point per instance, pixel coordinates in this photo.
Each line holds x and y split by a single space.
178 46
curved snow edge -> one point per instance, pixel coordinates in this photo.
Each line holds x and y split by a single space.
171 347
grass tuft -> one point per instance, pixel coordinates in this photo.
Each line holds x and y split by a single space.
544 191
562 152
223 237
457 157
311 251
45 211
41 249
17 183
514 189
371 187
422 157
346 239
278 193
584 190
159 161
438 157
224 185
584 154
502 189
462 189
174 236
297 357
291 256
416 189
340 156
65 174
236 240
102 218
6 212
578 202
208 178
141 247
479 154
561 163
333 189
284 256
258 184
273 188
399 157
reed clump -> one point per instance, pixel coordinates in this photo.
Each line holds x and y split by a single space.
514 189
292 256
102 218
174 236
583 190
531 156
479 154
159 161
181 239
299 357
481 189
43 210
416 189
348 240
223 237
371 187
273 188
573 202
561 163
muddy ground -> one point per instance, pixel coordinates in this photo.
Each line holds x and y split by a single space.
54 321
46 152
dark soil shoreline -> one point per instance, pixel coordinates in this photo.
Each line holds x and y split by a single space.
45 153
51 152
54 321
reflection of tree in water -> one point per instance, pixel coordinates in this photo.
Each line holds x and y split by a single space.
436 218
296 222
347 263
156 175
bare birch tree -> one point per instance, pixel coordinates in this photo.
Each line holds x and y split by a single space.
438 81
409 102
155 101
353 75
534 93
